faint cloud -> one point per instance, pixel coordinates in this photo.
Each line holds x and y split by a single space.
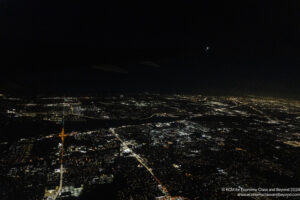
150 63
110 68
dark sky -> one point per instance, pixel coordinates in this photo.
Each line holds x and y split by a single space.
120 46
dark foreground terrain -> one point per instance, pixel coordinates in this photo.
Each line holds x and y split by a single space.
150 147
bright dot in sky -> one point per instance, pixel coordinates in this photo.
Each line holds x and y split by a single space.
207 48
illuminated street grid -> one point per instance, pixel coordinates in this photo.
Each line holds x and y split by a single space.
147 146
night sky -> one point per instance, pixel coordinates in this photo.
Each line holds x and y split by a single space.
76 47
